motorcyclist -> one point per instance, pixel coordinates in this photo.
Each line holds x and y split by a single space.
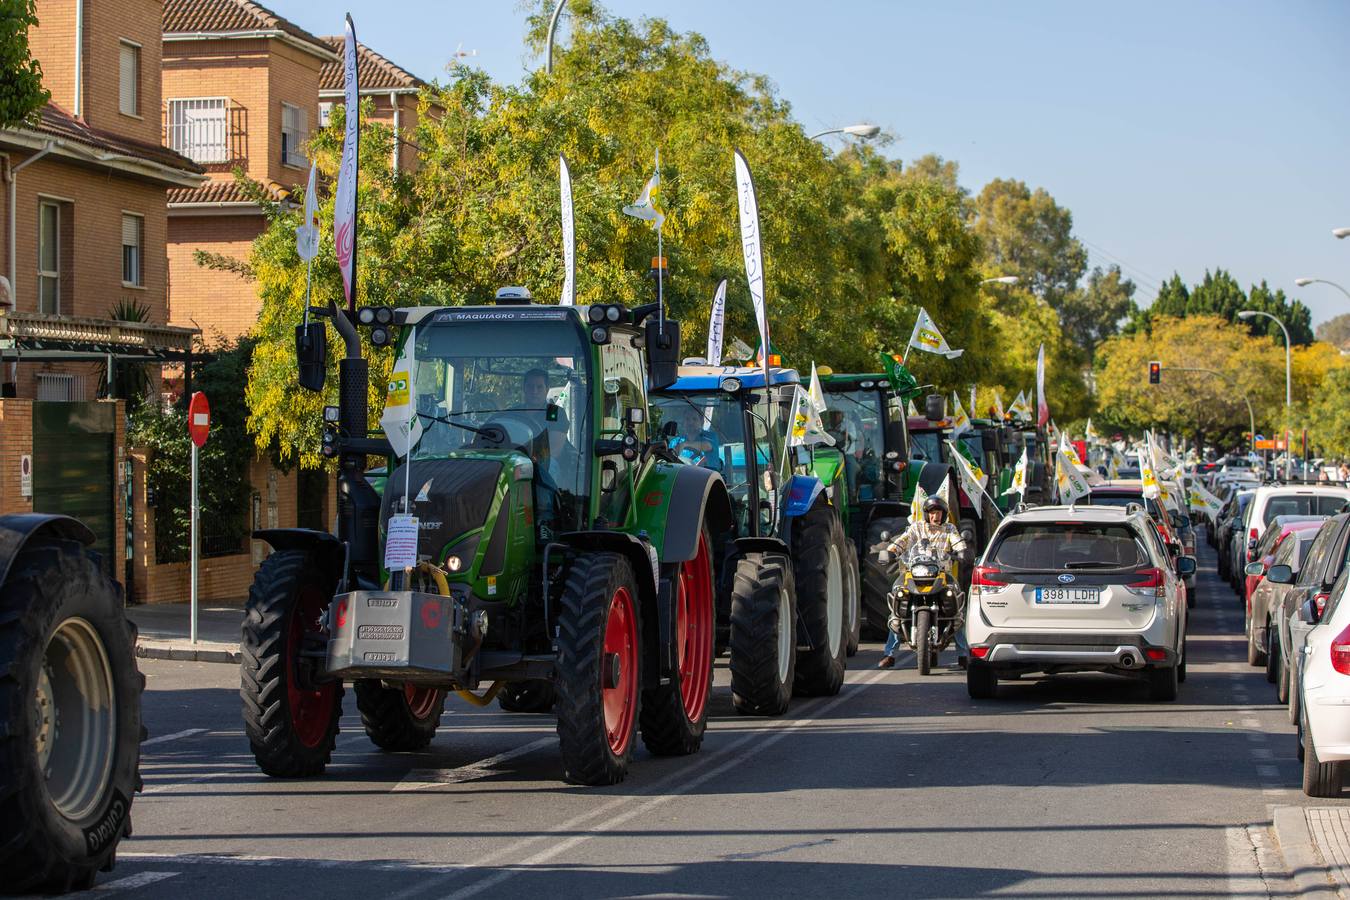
935 528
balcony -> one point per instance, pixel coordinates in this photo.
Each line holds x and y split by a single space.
211 131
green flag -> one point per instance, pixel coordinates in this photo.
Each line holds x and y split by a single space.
902 382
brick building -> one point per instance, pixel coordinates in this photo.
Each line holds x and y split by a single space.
393 92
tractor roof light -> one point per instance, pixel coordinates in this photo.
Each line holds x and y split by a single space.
613 313
867 384
596 313
366 315
730 385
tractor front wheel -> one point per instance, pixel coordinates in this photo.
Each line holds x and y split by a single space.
675 715
818 555
291 720
763 634
599 669
400 719
878 577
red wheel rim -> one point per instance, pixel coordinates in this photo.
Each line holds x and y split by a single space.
422 701
694 631
620 701
310 710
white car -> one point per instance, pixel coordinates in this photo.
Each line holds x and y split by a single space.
1075 589
1288 500
1324 688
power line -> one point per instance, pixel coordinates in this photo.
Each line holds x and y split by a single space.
1143 278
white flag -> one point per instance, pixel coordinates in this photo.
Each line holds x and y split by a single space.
960 421
817 392
644 207
1021 408
401 424
307 232
1147 477
753 252
1071 483
717 323
911 411
927 337
344 210
569 288
1203 501
916 505
1069 449
972 478
999 414
1042 407
807 429
974 405
1019 479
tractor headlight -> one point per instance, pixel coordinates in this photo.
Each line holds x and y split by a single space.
731 385
867 384
366 315
613 313
596 313
599 334
453 563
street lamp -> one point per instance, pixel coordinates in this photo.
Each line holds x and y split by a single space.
1288 378
552 27
1001 279
1304 282
1341 232
858 131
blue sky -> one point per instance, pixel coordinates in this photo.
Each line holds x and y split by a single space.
1182 135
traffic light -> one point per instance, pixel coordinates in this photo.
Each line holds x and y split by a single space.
1155 373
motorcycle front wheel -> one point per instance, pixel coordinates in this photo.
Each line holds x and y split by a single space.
923 635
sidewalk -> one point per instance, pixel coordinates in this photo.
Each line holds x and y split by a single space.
165 629
1315 842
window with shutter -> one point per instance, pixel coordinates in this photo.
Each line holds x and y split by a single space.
132 231
129 90
294 133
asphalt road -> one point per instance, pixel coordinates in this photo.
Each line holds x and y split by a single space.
1075 786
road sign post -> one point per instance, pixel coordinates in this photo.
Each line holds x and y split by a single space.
199 425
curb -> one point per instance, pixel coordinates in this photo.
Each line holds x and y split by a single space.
1309 872
202 652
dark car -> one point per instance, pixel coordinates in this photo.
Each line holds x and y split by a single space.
1229 518
1322 566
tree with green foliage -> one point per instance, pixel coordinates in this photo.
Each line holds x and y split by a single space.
21 90
1219 294
1096 312
1027 234
1335 330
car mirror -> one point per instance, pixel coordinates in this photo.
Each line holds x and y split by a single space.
1186 566
1307 613
1254 568
1280 574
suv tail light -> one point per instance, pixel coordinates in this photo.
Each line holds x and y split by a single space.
1148 583
1340 651
985 576
979 652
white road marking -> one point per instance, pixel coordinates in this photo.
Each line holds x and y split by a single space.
420 779
765 737
131 882
266 862
165 738
1268 771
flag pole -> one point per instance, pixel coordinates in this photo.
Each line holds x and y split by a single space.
661 262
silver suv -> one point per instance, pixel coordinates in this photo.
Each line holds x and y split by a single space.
1077 589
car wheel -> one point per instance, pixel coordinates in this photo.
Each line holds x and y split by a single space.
1162 683
1319 779
981 681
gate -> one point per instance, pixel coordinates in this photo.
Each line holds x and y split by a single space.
73 469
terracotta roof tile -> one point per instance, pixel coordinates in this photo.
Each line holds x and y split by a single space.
189 16
214 192
58 123
373 71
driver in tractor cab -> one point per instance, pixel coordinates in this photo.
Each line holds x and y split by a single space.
936 528
846 430
696 443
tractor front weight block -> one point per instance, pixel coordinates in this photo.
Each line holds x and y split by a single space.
404 636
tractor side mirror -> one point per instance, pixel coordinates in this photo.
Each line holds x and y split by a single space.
311 353
934 407
663 353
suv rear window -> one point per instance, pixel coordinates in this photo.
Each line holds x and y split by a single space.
1039 546
1301 505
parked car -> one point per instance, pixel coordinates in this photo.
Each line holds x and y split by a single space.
1170 524
1324 563
1281 528
1230 518
1284 500
1073 589
1287 553
1324 687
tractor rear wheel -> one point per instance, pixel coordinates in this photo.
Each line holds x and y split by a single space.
537 695
763 634
818 568
70 719
399 719
290 718
878 576
599 669
675 715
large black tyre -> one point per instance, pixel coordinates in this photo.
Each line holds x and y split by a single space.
878 576
818 558
399 719
1295 693
599 669
1272 653
923 640
291 722
536 695
1256 656
981 681
1282 677
1320 779
62 617
763 635
1162 683
674 716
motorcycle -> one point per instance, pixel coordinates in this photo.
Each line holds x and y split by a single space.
925 603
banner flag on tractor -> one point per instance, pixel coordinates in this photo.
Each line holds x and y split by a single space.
569 289
752 251
717 321
927 337
960 421
1070 482
807 428
911 411
1067 448
972 478
902 380
1203 501
916 505
1019 478
401 424
344 209
816 391
1021 409
1042 407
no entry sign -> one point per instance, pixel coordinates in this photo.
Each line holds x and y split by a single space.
199 418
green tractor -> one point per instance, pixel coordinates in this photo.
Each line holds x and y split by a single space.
70 708
532 535
786 578
867 418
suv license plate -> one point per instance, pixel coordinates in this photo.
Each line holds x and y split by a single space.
1068 595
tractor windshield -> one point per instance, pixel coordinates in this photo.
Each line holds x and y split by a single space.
520 385
926 445
854 420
